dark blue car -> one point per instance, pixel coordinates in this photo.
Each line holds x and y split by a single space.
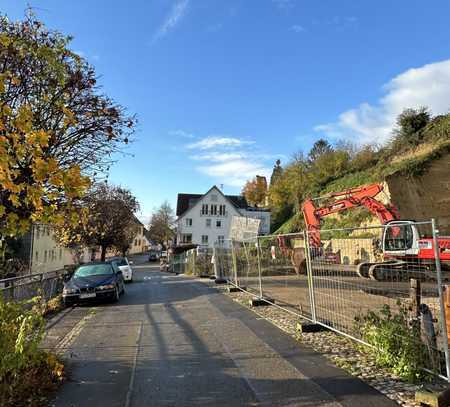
94 282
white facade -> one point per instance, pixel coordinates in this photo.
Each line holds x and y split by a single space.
209 220
46 254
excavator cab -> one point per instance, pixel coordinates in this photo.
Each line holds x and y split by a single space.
400 238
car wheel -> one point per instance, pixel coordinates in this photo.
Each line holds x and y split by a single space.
123 289
116 294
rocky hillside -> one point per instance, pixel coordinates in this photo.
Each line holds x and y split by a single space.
415 167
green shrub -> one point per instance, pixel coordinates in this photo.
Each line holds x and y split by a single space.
26 372
396 342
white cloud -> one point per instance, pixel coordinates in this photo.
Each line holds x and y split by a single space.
427 86
177 12
219 157
297 28
218 141
235 172
230 160
181 133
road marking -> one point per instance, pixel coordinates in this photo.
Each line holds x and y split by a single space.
133 371
70 337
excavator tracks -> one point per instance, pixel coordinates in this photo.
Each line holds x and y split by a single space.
399 270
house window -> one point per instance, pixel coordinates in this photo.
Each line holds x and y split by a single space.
60 254
218 223
222 210
37 255
38 232
188 221
208 223
48 231
204 239
186 238
214 198
205 209
135 242
220 239
213 209
45 256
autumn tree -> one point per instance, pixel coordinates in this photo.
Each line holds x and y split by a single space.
110 223
162 224
255 191
57 129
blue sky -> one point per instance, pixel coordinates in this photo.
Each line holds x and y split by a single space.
224 88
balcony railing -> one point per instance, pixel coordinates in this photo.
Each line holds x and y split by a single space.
222 215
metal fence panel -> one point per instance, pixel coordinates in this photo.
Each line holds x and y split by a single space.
46 285
246 267
283 272
358 273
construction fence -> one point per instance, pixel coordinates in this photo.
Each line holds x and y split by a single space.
197 262
350 280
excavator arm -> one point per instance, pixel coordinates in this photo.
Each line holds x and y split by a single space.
351 198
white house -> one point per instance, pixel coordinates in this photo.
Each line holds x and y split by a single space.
206 219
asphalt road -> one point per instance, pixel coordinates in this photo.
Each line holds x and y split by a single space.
173 341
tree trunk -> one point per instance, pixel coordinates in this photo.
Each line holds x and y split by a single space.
103 256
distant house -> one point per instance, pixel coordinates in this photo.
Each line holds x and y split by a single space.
42 252
206 219
139 244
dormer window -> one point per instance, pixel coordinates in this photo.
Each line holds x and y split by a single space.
204 209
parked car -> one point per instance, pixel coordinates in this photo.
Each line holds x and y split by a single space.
153 256
94 281
124 266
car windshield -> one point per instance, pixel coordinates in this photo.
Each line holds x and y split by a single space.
120 262
94 270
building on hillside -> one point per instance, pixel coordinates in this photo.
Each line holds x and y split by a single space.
206 219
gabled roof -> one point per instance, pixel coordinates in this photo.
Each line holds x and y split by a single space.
187 201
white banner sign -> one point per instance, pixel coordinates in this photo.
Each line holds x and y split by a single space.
243 228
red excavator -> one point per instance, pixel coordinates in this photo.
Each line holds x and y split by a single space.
405 253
